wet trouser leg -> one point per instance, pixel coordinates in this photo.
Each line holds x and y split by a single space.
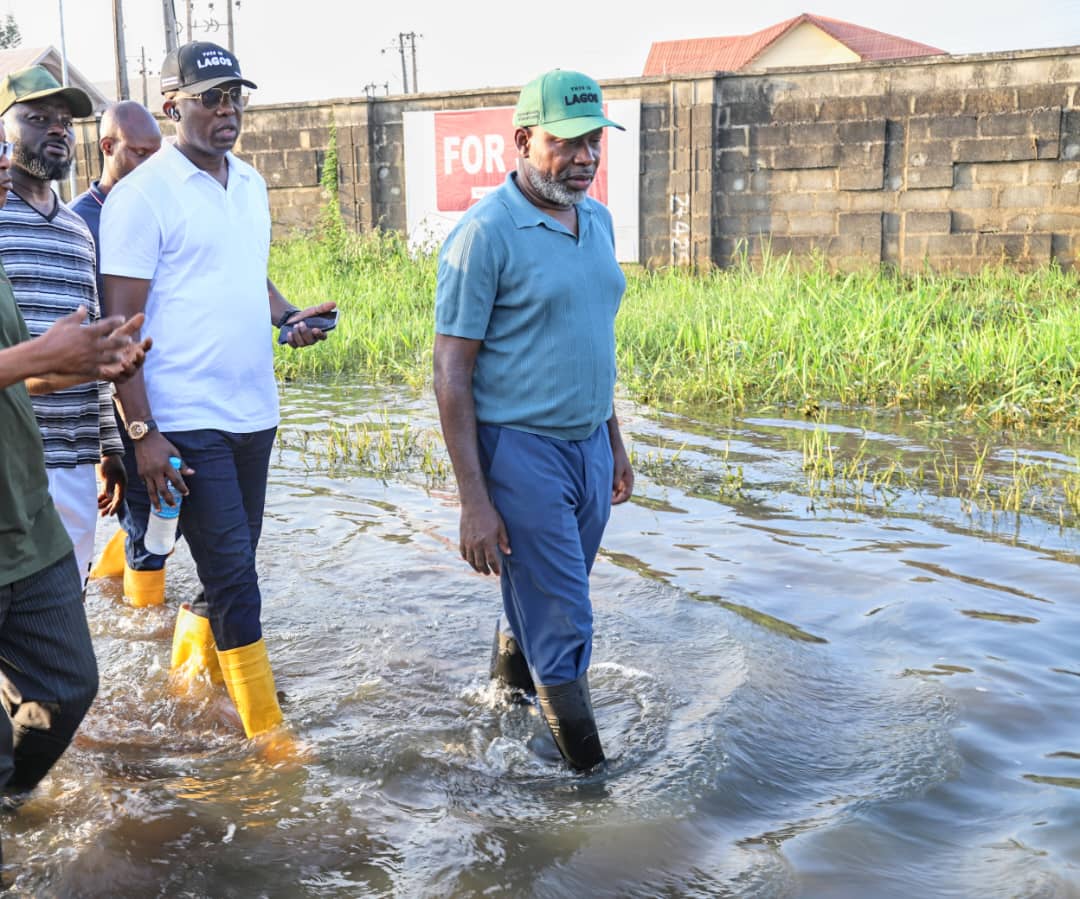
222 521
554 497
144 578
47 659
74 492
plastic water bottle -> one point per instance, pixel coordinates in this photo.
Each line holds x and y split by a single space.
161 526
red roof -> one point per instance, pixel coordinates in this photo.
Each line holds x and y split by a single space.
729 54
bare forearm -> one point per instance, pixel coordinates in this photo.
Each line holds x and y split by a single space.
127 297
454 361
19 363
51 383
614 434
26 362
278 304
132 399
458 416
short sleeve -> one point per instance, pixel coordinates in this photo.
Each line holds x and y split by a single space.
467 281
130 239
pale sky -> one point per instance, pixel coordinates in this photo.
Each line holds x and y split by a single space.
318 49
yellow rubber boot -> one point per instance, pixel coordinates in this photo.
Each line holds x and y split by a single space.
250 683
112 561
144 588
193 649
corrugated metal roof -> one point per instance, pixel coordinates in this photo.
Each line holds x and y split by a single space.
871 44
729 54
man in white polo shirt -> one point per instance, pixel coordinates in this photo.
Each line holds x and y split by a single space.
185 238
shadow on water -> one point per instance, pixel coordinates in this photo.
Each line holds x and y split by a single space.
799 695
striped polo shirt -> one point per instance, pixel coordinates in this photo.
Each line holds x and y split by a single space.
50 263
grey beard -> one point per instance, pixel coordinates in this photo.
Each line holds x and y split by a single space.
553 191
38 167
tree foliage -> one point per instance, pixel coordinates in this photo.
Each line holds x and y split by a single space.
10 36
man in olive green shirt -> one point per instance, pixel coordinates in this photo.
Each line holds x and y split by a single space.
48 674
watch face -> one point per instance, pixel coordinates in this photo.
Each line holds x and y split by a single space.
137 430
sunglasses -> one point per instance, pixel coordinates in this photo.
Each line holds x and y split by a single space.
214 97
6 148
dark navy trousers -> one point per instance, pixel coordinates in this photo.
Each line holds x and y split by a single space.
554 496
135 511
50 675
222 518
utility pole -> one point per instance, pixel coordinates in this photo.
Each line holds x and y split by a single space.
143 71
404 73
123 89
412 36
229 24
170 24
188 5
64 81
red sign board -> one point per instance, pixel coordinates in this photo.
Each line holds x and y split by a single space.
474 149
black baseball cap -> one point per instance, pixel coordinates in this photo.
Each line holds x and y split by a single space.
199 66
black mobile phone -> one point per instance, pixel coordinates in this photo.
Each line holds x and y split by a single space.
324 322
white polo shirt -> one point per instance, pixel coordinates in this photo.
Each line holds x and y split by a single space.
204 249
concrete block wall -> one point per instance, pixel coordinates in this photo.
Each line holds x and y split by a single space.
954 162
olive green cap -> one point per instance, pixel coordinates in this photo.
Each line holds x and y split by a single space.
37 83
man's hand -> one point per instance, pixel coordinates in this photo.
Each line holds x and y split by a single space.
133 353
622 482
152 456
482 537
72 348
622 479
301 334
113 480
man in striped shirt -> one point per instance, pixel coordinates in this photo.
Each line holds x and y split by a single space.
129 136
48 253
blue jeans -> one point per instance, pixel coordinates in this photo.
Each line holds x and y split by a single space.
554 496
135 511
222 519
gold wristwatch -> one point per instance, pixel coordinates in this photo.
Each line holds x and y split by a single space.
137 430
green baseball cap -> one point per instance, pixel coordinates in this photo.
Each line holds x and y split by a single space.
37 83
566 104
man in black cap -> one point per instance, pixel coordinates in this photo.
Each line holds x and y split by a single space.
185 238
48 253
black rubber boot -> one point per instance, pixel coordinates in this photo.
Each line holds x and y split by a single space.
508 663
567 708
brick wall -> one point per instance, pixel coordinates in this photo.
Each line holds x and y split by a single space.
954 161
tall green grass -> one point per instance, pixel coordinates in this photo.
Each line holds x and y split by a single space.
385 300
1002 345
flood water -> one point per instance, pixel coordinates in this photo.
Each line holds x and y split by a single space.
800 694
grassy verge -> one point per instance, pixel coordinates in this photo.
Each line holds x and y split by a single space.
385 299
1001 346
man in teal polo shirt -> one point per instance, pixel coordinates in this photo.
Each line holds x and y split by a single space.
528 288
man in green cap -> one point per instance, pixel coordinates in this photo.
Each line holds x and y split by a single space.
527 292
49 256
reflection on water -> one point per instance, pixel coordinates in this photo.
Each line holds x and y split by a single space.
867 701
